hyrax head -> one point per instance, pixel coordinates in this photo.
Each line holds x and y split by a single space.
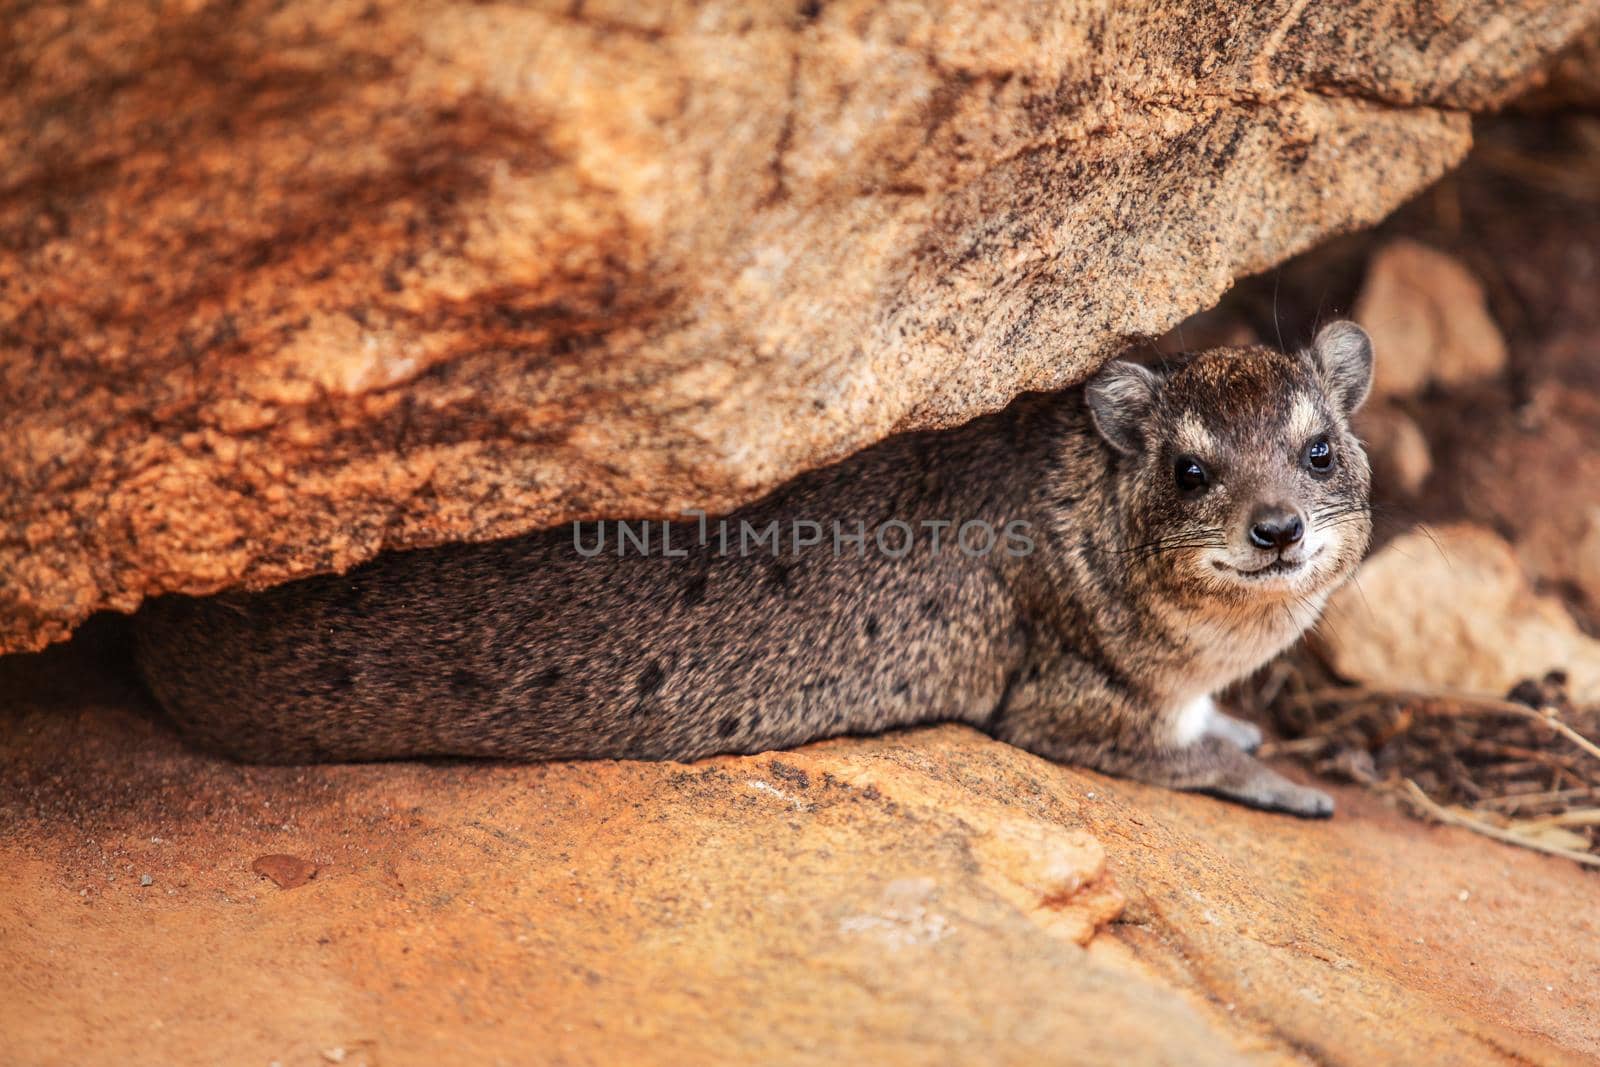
1241 477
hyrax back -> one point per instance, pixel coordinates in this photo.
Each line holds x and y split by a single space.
1076 575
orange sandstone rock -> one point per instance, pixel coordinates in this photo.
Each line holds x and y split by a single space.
1451 608
1429 320
919 898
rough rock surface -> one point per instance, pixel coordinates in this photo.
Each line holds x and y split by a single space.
284 284
1450 608
1396 447
1522 455
921 898
1535 473
1430 318
1571 80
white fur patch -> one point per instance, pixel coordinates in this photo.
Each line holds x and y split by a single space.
1304 419
1223 646
1189 725
1193 438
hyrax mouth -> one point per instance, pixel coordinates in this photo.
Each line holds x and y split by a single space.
1277 568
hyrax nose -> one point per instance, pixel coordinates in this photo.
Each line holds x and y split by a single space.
1276 528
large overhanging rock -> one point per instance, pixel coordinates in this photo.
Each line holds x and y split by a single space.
287 284
1571 80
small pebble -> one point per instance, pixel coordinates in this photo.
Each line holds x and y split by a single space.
289 872
145 879
1463 896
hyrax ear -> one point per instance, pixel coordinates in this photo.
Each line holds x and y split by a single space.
1121 397
1342 354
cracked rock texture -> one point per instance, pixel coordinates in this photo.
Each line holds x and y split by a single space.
284 284
928 897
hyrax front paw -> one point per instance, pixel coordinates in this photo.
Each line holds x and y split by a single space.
1221 768
1247 735
1271 791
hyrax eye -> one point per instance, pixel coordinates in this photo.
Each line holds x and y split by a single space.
1190 475
1319 456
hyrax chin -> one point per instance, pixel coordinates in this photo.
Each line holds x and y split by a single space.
1076 575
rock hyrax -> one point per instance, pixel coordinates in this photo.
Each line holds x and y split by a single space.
1076 575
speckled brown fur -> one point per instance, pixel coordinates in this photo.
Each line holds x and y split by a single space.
1100 646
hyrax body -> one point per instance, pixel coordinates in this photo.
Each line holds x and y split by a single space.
1131 547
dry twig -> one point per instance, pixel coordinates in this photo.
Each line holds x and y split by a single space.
1524 769
1454 818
